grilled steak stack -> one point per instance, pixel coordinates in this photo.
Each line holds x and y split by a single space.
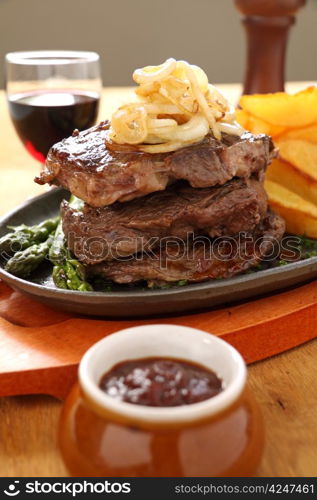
194 214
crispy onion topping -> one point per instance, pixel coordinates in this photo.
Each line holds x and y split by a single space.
176 107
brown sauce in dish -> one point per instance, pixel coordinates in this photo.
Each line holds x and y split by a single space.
160 382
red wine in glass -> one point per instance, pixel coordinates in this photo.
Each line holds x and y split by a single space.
50 93
42 118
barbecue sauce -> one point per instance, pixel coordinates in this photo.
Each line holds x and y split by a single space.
160 382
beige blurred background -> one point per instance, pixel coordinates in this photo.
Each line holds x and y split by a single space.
133 33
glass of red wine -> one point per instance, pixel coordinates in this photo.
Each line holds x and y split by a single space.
51 93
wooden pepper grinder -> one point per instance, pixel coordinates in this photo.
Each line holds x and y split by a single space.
267 24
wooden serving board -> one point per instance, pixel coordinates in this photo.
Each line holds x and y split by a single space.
40 348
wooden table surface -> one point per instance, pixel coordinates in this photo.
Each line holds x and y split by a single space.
285 386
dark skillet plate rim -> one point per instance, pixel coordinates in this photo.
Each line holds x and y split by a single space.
176 290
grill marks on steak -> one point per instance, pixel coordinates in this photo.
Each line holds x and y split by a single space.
86 166
209 259
122 229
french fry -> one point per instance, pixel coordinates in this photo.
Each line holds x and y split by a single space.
304 133
293 178
300 215
243 118
258 126
301 154
285 110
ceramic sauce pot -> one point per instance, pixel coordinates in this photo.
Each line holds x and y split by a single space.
103 436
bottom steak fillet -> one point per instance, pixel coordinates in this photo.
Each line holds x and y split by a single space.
103 234
201 260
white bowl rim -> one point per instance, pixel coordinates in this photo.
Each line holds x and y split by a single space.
174 414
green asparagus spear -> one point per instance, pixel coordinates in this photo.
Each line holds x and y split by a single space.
24 236
75 202
60 277
58 251
37 242
71 276
23 263
68 273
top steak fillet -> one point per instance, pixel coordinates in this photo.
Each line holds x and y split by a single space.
202 260
100 175
122 229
